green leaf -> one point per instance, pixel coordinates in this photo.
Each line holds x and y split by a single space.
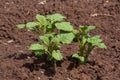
49 25
75 31
45 39
57 55
39 52
30 25
91 28
41 19
75 55
80 58
86 29
50 34
65 26
94 40
82 28
55 17
66 37
20 26
36 47
101 45
84 40
56 41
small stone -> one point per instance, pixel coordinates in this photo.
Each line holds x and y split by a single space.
107 1
42 2
42 72
94 15
39 78
68 79
28 57
21 51
10 41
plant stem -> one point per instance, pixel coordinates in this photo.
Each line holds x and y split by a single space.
82 47
90 48
50 49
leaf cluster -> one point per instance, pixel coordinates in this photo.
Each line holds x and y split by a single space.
86 43
51 41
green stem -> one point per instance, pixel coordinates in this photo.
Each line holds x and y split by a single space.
50 49
90 48
81 47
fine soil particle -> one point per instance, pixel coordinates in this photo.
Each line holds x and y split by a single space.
17 63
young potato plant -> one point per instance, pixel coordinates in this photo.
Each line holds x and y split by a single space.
86 43
51 40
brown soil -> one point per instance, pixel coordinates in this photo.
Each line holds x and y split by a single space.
17 63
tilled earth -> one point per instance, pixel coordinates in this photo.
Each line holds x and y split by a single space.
17 63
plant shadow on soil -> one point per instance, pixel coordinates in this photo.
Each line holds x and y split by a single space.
37 63
75 64
41 62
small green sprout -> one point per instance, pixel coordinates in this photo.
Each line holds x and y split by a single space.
86 43
51 40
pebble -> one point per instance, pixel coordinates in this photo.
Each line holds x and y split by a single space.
39 78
